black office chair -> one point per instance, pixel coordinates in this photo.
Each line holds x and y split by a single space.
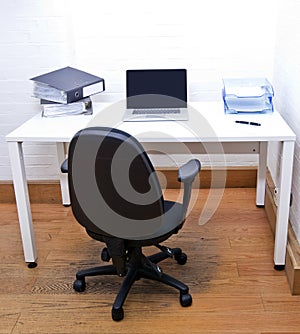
115 194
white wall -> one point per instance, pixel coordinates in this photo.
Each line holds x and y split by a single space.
212 39
287 86
33 39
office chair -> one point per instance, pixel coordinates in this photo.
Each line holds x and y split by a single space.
116 196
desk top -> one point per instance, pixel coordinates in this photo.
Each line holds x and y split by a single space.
207 123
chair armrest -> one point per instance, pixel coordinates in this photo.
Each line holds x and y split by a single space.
64 166
188 171
187 174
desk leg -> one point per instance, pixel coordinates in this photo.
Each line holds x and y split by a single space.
286 170
261 174
61 156
22 200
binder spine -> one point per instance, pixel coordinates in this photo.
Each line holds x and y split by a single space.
75 95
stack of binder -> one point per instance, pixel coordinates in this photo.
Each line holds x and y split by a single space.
247 95
66 91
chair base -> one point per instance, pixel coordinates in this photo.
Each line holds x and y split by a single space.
139 266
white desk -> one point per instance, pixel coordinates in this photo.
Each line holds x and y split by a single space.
208 130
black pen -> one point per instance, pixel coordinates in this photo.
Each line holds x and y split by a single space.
242 122
249 123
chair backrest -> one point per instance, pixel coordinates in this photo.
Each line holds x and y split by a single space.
113 187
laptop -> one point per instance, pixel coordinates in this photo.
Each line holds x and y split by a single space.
156 95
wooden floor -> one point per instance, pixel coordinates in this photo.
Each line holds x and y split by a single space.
229 272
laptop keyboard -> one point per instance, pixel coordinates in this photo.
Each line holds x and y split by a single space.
161 111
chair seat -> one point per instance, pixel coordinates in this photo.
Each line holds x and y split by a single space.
172 221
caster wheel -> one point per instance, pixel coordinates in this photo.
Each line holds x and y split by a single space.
105 255
181 258
186 300
117 314
79 285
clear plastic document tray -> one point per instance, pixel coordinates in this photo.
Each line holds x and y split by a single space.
252 95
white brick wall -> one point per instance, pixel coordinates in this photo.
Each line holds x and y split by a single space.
212 39
287 87
33 39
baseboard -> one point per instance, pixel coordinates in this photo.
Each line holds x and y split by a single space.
293 263
292 267
235 177
49 191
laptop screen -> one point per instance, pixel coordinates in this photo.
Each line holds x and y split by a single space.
168 88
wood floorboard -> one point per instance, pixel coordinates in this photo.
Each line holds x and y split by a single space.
229 272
